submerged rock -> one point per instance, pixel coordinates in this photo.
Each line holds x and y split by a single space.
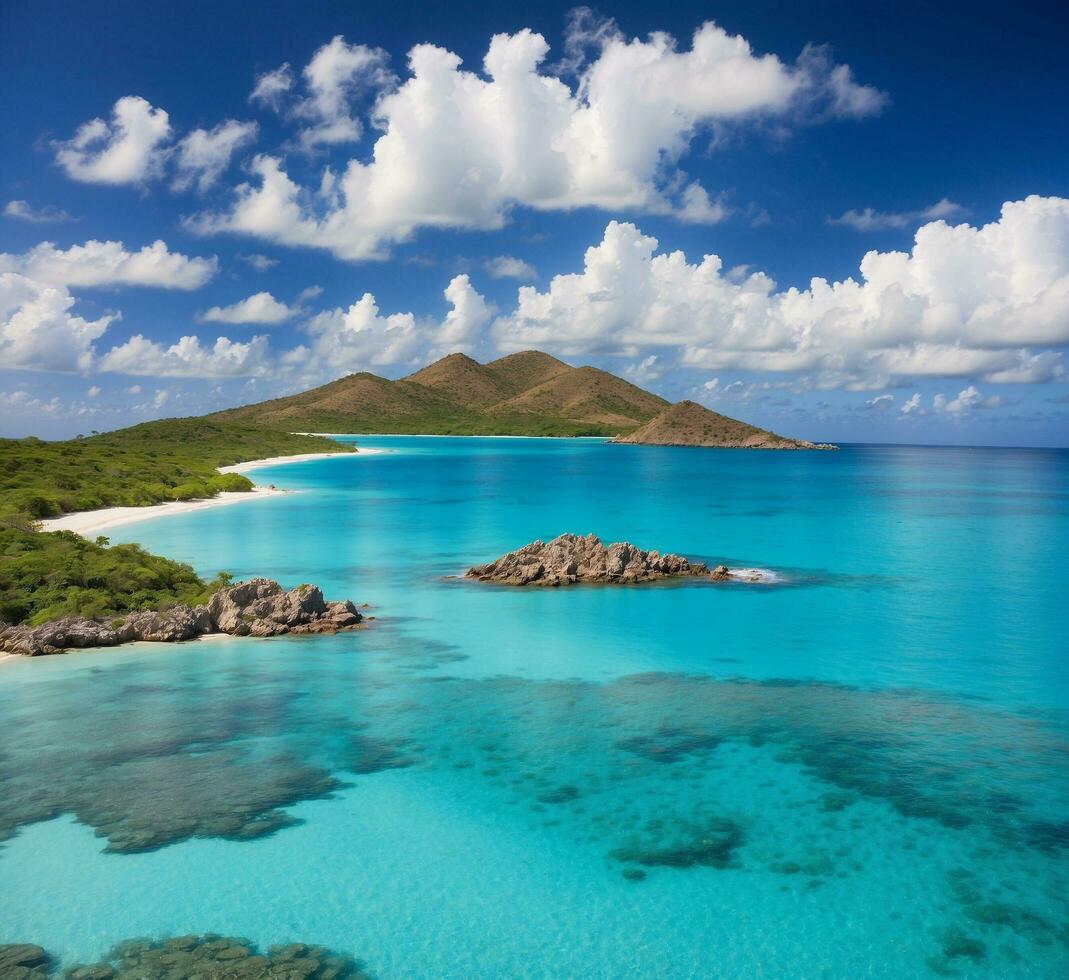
571 558
259 607
209 957
711 846
24 961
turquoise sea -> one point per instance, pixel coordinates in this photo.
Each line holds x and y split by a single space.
861 770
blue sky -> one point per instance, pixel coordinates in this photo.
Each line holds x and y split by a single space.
359 209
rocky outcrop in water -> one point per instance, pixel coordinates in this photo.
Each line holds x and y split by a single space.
571 558
208 957
259 607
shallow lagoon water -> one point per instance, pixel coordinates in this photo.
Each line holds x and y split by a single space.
862 770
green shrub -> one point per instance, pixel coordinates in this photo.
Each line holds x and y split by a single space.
174 459
46 575
189 491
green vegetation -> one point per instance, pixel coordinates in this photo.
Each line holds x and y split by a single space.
44 576
47 575
456 424
173 459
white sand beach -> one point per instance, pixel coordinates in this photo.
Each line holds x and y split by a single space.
256 464
92 522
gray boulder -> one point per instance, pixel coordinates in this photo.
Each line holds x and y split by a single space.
259 607
168 626
68 632
571 558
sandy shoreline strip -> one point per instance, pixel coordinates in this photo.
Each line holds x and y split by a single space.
256 464
89 523
438 435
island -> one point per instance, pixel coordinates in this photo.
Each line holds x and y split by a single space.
689 424
529 393
571 558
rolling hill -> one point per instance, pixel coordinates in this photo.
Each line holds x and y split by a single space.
529 393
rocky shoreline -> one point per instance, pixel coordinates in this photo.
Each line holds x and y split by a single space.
571 558
259 607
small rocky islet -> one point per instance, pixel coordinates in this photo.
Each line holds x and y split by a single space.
259 607
207 957
570 559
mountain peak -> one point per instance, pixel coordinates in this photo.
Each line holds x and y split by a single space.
463 380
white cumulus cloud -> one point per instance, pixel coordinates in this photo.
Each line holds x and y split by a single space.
696 207
965 301
361 337
965 402
337 73
459 148
38 330
122 151
189 358
271 86
204 154
464 323
110 264
259 308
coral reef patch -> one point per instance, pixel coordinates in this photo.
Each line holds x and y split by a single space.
207 957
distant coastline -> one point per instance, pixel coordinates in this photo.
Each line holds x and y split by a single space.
256 464
433 435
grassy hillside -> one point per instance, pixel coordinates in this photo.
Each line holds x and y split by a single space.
596 396
689 424
363 400
44 576
529 393
528 368
463 381
174 459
